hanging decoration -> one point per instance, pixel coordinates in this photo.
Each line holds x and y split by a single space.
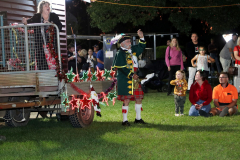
70 75
135 5
80 91
65 103
94 97
84 77
105 99
64 95
112 96
95 101
75 103
76 78
109 89
90 75
106 74
16 63
112 74
60 74
99 75
85 103
94 77
20 29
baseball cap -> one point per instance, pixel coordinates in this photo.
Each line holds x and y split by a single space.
234 34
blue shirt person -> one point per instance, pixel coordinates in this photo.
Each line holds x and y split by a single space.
100 60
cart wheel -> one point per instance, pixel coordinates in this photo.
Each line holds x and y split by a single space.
83 118
14 118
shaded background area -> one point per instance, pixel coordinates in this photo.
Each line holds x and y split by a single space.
76 9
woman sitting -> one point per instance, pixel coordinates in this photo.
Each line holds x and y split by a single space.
200 95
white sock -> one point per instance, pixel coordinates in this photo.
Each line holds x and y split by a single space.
138 111
125 112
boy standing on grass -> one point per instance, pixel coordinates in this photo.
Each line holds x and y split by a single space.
180 89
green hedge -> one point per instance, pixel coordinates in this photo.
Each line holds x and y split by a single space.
160 51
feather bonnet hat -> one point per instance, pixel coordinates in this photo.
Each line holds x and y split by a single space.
120 38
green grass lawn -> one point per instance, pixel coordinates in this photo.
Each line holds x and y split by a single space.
164 137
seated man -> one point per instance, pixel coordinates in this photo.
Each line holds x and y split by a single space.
224 97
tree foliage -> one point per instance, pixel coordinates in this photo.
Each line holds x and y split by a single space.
217 20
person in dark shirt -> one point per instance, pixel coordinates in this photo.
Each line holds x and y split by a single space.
100 60
214 53
71 58
95 50
80 62
191 51
43 15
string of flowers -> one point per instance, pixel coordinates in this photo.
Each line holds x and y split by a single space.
60 74
108 90
80 91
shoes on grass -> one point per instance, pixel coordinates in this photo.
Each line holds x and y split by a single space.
203 113
98 114
177 115
126 123
140 121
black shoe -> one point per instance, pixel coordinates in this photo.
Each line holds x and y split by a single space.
139 121
98 114
203 113
210 114
126 123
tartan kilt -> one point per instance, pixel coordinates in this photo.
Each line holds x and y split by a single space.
137 94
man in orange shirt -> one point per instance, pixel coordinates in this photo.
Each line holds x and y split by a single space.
224 97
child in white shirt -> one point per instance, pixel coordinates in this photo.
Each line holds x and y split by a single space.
91 59
202 60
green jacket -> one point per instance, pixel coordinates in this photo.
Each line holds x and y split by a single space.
123 62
